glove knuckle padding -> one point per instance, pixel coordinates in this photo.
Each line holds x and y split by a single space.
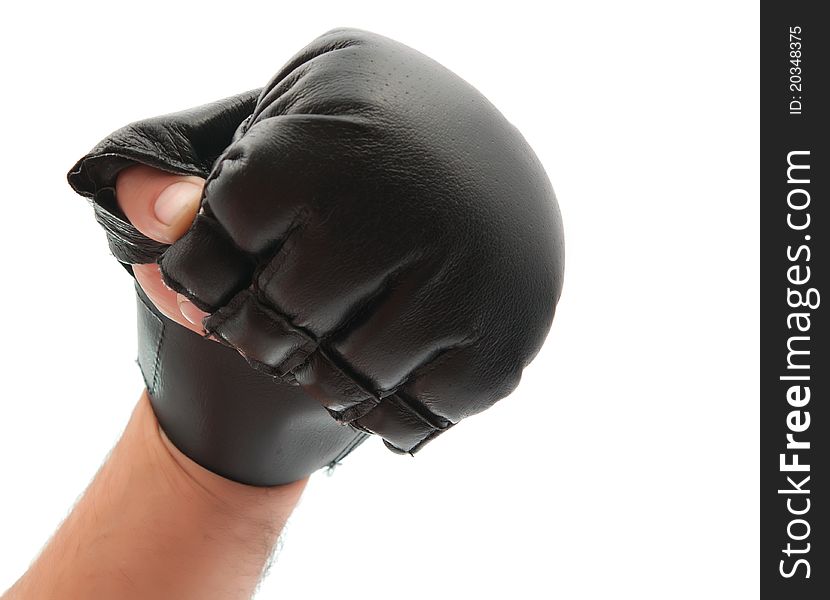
375 231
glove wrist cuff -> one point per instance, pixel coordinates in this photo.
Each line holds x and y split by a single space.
230 419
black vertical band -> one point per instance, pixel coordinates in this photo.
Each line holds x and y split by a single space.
795 363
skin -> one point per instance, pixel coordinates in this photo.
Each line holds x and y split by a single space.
137 190
154 524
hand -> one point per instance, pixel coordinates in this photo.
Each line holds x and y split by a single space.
300 437
211 537
162 206
389 244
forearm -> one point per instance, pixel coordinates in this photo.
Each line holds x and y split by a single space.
153 524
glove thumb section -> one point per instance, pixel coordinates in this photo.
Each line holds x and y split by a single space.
185 143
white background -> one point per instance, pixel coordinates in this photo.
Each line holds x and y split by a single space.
625 466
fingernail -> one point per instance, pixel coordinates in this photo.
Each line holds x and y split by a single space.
176 200
190 311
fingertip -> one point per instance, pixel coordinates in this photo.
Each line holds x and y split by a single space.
175 208
191 312
165 299
159 204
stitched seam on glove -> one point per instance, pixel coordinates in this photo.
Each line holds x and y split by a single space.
416 409
359 437
426 440
151 385
246 299
280 252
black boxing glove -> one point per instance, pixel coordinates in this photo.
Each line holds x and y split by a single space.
372 230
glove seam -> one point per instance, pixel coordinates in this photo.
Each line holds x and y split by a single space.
274 262
356 441
312 347
358 411
151 385
213 327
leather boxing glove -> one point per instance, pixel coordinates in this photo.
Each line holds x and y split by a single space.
372 230
231 419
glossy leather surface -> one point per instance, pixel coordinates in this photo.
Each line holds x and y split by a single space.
232 420
372 230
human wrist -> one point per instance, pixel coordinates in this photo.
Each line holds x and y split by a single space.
215 494
153 525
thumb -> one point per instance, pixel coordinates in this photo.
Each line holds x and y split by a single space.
160 205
